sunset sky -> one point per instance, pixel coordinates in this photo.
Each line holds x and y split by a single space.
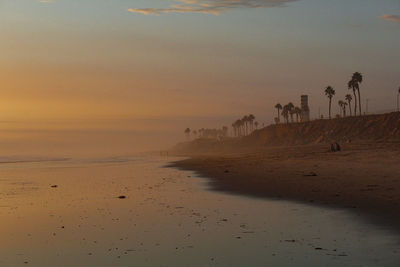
149 66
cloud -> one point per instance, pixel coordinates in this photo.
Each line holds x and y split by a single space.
214 7
392 18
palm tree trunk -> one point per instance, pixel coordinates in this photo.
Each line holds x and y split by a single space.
279 117
330 103
355 102
359 101
350 107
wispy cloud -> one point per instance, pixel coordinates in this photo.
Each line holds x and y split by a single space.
392 18
214 7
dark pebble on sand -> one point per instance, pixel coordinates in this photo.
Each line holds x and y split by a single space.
311 174
122 197
54 186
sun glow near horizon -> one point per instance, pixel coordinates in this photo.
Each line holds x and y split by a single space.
69 60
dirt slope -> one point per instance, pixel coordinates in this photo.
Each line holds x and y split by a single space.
376 128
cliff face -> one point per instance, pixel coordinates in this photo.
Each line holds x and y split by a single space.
377 128
384 127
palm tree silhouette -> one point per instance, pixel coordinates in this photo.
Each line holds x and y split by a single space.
245 120
340 103
251 118
256 124
291 107
187 133
349 98
344 108
278 107
242 126
354 84
237 125
285 113
297 111
330 93
234 129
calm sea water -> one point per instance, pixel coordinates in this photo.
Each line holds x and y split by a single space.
66 212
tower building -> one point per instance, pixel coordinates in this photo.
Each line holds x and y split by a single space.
305 110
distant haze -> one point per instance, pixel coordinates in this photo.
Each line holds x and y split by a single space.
118 76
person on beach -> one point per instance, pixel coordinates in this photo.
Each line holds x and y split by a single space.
337 147
333 149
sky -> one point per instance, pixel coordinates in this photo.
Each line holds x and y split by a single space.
145 70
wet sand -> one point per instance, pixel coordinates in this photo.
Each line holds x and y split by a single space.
70 213
363 177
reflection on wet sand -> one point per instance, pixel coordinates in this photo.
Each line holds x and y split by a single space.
70 213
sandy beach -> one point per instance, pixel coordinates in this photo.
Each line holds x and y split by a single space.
363 177
70 213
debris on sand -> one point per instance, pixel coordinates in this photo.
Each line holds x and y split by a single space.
54 186
122 197
310 174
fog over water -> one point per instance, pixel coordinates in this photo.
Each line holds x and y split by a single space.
92 137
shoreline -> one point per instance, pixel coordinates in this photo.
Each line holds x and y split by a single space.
363 178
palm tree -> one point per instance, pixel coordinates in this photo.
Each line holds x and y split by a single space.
245 119
330 93
291 107
242 126
297 111
237 125
292 112
187 133
349 98
278 107
344 108
285 113
256 124
340 103
358 78
352 85
251 118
